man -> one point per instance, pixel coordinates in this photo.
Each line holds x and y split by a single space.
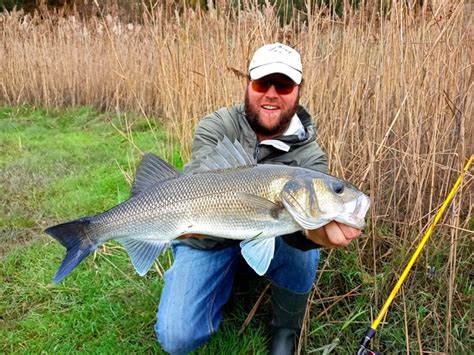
273 126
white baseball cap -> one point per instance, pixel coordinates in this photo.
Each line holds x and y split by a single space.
276 58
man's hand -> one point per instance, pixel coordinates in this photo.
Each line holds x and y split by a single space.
333 235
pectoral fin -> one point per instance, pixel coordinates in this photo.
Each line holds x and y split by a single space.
258 253
143 252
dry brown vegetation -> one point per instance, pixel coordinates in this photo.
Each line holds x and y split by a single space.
392 96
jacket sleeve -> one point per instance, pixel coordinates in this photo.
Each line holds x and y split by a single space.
315 159
208 132
299 241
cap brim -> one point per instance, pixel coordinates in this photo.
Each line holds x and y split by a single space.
274 68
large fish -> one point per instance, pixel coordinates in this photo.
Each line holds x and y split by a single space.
229 197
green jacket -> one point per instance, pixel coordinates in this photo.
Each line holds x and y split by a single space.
304 152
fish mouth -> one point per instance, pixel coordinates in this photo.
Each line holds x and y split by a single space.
355 211
351 221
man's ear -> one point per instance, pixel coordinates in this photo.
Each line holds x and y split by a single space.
300 88
302 84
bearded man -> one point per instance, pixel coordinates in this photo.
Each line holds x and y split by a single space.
275 129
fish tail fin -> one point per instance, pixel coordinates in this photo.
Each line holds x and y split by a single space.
74 237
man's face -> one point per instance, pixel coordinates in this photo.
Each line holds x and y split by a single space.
270 103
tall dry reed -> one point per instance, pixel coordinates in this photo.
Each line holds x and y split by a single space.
392 96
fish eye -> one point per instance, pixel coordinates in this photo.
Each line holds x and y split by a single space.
338 187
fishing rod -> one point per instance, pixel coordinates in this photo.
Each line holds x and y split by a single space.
370 333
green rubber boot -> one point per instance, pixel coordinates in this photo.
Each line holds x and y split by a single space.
288 313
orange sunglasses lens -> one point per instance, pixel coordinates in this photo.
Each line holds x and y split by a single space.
281 87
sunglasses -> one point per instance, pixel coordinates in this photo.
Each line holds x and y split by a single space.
281 87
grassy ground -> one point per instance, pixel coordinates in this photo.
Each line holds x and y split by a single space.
59 165
56 166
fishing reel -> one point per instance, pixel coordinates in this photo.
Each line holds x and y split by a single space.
364 343
364 351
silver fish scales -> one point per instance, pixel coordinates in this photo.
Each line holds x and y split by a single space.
230 197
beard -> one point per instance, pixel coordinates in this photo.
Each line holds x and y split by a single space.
255 122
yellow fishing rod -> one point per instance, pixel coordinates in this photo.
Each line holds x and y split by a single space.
364 343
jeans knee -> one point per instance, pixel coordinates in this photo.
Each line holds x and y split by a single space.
178 340
295 270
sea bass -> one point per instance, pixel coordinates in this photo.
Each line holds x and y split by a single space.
230 196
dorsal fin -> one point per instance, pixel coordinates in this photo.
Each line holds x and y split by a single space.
227 155
151 170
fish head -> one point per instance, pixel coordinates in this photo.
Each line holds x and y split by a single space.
314 199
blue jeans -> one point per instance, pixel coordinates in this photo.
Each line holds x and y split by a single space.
199 284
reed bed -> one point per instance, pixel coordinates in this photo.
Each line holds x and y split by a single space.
391 95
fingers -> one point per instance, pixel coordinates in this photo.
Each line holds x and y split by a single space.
349 232
336 236
329 236
340 234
